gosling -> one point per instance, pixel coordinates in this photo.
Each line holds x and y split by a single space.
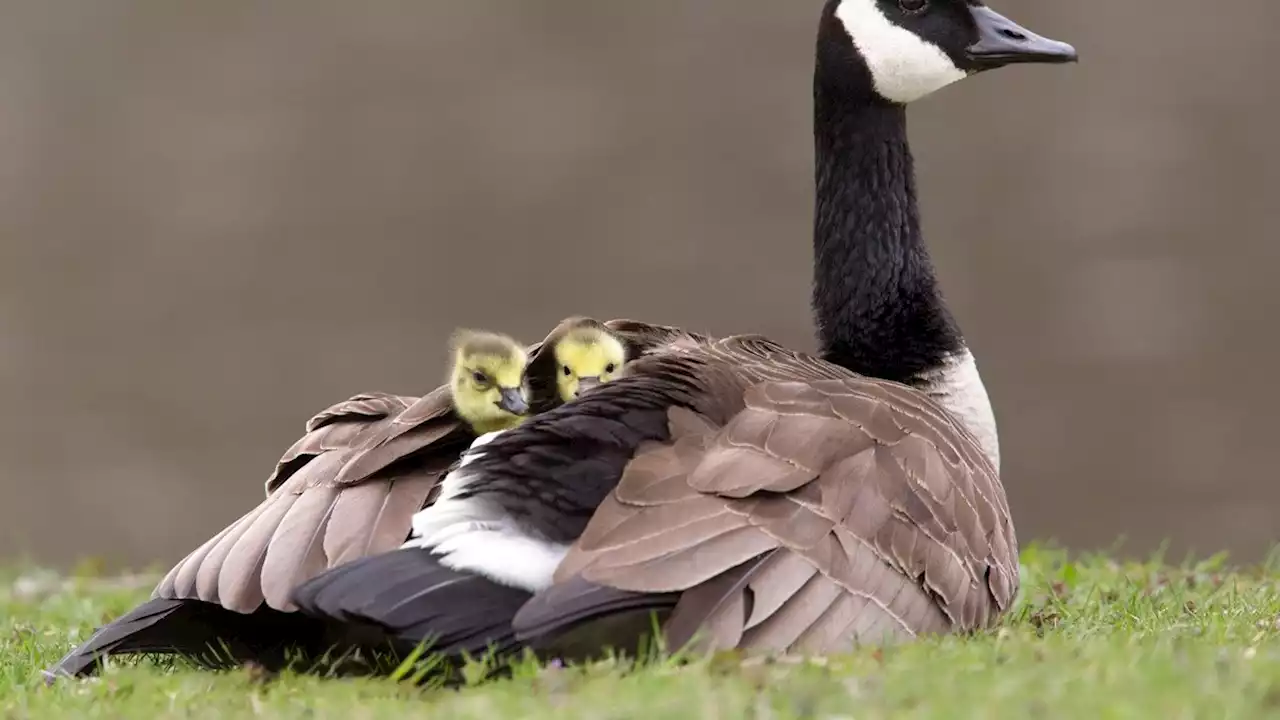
586 355
488 381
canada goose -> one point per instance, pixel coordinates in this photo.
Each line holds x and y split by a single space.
487 380
768 499
771 499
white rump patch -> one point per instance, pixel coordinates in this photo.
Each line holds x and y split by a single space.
904 66
957 386
475 535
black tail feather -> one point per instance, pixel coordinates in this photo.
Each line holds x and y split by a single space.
577 620
205 633
409 599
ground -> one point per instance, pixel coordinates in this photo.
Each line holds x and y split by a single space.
1090 638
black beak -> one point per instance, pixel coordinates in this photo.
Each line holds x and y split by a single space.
512 400
1002 41
586 383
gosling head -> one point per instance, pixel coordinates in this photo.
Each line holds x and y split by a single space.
903 50
586 356
488 382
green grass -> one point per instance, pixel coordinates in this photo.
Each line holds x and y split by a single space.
1091 638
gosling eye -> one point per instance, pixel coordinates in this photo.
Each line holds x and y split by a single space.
609 368
567 372
480 378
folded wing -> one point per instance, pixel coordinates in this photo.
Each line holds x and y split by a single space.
825 513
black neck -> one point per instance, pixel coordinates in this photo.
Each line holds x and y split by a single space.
876 301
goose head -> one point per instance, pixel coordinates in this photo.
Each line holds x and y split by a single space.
587 355
902 50
488 381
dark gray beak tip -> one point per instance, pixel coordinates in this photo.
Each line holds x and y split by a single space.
512 400
1002 42
586 383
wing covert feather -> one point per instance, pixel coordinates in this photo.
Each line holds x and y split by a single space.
842 509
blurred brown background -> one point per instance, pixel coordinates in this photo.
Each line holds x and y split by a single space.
220 218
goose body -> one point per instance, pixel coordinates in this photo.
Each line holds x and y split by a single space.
715 472
753 496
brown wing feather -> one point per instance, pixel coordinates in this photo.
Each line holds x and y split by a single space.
714 614
183 575
239 577
337 427
391 440
295 550
307 523
374 517
845 509
207 572
372 405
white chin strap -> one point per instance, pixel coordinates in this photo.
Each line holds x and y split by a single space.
904 66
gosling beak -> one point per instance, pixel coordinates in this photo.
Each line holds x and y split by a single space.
585 384
1002 41
512 400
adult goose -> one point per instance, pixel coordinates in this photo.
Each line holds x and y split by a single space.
756 497
759 497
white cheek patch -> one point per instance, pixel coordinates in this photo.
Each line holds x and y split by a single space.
904 66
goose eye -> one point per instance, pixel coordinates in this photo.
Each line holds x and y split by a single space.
566 371
609 368
913 6
479 377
